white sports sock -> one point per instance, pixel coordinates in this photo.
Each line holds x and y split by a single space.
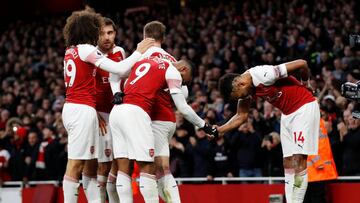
102 186
160 183
123 187
71 189
111 189
85 180
170 189
148 188
91 189
289 184
300 186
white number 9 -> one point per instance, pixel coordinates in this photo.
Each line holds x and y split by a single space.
140 72
70 64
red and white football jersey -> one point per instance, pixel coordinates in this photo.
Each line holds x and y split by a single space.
287 94
79 73
163 109
103 89
149 77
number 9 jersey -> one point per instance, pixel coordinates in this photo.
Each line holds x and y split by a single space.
147 78
79 74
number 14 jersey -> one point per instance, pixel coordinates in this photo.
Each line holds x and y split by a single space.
147 78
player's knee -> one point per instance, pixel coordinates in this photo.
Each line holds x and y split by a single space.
288 162
147 167
299 162
104 168
90 167
165 167
74 168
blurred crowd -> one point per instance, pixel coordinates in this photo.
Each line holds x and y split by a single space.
218 38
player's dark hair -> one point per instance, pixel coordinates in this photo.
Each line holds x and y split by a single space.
226 85
190 64
155 30
82 27
108 21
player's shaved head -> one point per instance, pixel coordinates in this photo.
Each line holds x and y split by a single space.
82 27
155 30
186 68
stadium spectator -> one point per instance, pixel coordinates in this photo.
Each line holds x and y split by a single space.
246 143
219 162
199 148
350 137
30 154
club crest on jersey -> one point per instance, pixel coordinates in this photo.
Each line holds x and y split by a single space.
151 152
92 149
107 152
273 98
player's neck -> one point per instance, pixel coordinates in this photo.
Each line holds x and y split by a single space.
157 44
105 51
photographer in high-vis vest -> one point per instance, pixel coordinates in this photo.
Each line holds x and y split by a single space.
321 168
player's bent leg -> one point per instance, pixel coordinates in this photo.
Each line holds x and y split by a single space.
71 180
167 186
90 183
111 184
123 180
148 184
289 177
301 177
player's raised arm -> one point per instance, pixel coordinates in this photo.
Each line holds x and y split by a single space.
238 119
268 74
121 68
299 65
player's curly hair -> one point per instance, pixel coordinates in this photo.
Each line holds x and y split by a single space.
82 27
226 85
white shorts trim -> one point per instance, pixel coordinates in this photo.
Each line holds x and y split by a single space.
163 132
132 133
105 142
299 131
82 126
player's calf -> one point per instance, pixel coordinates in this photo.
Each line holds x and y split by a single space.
90 182
71 180
102 177
148 184
300 178
167 186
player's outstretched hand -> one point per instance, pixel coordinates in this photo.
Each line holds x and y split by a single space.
118 98
102 125
145 45
211 131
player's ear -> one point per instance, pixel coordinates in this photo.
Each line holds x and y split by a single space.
182 68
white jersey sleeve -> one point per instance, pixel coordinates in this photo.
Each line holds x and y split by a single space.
90 54
185 91
121 68
115 79
267 74
173 79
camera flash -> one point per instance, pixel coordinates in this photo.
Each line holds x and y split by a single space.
15 129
